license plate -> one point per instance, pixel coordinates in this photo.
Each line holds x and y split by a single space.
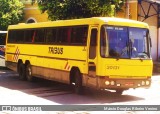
129 84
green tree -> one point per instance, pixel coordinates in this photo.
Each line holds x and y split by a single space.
68 9
11 12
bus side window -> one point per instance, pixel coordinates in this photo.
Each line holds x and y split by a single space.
59 35
33 37
11 36
50 35
93 44
28 36
39 36
20 36
85 34
93 37
73 36
69 35
64 35
82 35
79 35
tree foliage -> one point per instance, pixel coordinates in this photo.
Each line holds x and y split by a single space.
68 9
11 12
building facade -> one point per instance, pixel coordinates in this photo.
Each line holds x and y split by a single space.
32 13
149 12
142 10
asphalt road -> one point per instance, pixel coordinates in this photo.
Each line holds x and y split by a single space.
42 92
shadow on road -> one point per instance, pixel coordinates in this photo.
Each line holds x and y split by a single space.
60 93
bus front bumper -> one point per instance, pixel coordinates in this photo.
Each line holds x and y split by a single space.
107 83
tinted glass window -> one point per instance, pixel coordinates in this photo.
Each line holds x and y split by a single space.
16 36
39 36
79 35
76 35
29 36
51 35
62 35
124 42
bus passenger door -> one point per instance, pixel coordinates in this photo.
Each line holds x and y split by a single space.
91 81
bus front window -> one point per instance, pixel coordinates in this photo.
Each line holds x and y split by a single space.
139 42
124 42
117 41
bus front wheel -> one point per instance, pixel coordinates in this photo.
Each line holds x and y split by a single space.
78 82
119 91
29 72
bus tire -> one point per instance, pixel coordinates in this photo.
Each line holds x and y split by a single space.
28 72
119 91
78 82
21 71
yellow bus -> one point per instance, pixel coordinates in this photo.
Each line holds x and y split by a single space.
98 52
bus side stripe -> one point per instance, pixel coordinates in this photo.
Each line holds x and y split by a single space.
66 65
51 57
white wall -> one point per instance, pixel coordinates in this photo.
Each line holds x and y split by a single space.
153 34
159 44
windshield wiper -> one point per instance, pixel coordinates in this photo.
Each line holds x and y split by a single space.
143 55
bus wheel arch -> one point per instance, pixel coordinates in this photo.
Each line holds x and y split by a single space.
76 78
21 70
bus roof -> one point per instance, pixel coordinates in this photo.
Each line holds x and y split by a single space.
83 21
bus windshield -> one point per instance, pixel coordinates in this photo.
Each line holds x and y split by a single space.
124 42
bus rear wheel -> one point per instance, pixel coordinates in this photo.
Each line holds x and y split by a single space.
29 73
21 71
78 82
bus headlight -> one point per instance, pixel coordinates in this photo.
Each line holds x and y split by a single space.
112 83
147 82
143 83
107 82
